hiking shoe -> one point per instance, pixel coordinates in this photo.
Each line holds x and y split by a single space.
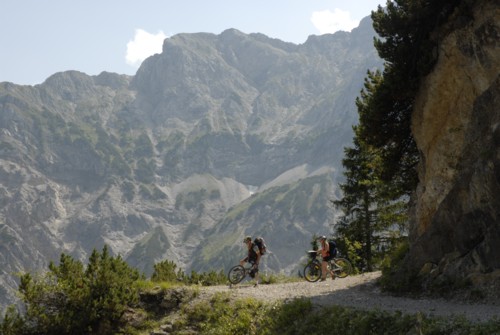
256 285
323 279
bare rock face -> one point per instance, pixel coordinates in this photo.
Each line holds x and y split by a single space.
456 123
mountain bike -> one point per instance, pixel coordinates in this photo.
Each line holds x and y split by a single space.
338 266
237 273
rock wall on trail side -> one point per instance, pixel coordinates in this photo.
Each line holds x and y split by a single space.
455 228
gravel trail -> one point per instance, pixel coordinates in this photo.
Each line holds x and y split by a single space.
361 292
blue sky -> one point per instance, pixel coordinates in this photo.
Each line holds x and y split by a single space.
40 38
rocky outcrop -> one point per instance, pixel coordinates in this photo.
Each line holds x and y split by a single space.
455 230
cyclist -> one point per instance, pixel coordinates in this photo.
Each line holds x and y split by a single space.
327 255
253 257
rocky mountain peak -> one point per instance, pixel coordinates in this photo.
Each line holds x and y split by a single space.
217 137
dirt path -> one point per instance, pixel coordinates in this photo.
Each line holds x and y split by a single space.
361 292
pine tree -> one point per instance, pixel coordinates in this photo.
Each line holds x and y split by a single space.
72 299
167 271
358 200
373 210
407 42
380 167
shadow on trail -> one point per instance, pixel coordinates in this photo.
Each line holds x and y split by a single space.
368 296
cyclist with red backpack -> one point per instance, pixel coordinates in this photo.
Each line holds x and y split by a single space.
253 257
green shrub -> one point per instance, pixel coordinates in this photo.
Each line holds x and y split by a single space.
72 299
395 277
223 316
166 271
208 278
13 323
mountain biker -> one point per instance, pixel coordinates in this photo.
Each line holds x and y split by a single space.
253 257
327 255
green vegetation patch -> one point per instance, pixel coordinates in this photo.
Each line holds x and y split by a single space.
222 315
303 197
73 298
219 244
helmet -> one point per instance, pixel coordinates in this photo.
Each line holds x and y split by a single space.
246 239
322 238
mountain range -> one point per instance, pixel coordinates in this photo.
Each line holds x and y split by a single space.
215 138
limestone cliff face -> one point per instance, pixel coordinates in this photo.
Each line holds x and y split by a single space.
456 123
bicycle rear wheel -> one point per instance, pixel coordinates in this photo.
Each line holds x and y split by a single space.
312 272
236 274
341 267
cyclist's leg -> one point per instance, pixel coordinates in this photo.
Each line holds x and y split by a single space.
328 267
324 269
256 277
332 268
255 271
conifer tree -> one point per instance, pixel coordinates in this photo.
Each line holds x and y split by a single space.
167 271
72 299
373 210
358 200
380 168
407 44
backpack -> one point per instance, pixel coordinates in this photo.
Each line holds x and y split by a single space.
261 244
333 246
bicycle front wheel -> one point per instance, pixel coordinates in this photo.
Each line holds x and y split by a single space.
342 267
236 274
312 272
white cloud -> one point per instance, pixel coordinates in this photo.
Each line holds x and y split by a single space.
143 45
328 22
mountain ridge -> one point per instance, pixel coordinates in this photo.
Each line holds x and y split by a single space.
216 137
